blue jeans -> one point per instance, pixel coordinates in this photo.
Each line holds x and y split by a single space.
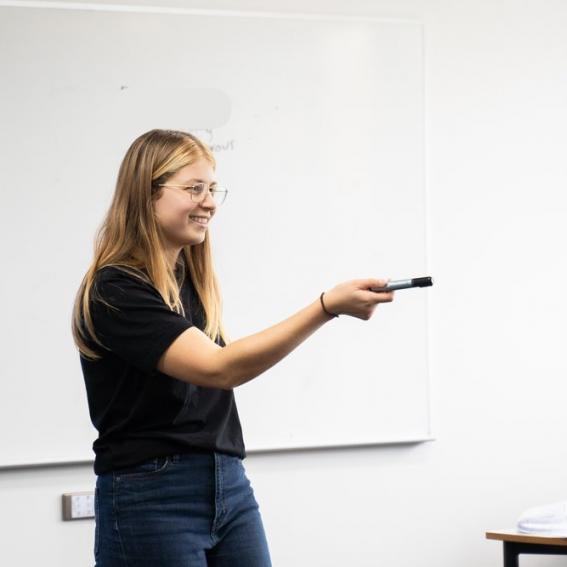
185 510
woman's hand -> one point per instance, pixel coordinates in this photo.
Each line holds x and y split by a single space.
354 297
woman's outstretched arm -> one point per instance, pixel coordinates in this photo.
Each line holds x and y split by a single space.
193 357
247 358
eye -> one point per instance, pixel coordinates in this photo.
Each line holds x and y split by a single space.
198 189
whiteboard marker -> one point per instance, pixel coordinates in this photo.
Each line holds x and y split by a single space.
404 284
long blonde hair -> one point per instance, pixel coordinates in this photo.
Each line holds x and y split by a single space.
130 237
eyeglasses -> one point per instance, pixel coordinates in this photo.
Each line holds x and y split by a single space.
198 192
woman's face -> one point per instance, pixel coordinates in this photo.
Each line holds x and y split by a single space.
175 207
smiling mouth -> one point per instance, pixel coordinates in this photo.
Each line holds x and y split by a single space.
200 220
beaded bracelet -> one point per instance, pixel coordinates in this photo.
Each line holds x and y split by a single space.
323 305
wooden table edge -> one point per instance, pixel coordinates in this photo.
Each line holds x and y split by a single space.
515 536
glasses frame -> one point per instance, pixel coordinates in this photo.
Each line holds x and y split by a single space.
216 189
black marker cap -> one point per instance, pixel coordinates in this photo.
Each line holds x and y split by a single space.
422 282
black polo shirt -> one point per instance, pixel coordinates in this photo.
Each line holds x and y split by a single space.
139 412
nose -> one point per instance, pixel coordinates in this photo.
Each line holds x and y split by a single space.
208 201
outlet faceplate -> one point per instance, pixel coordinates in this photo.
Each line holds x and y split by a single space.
78 505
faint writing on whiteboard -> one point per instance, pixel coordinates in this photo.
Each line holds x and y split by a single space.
206 135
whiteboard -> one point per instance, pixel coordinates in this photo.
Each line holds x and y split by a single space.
317 125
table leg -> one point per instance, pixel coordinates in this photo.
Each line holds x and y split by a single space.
511 553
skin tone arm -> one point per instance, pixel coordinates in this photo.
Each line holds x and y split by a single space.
193 357
247 358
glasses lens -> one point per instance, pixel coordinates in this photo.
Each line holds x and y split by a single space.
199 192
219 195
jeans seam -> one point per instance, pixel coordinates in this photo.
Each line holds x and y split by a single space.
117 527
145 474
97 524
220 509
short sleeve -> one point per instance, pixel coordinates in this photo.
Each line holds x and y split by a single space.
141 326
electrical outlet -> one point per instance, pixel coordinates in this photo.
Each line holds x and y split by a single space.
78 505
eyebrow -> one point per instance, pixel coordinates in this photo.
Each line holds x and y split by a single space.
200 181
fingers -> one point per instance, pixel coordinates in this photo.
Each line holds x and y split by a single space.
380 282
379 296
368 283
373 298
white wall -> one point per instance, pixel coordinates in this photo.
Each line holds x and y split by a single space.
496 146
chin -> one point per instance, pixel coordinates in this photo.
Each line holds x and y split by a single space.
195 240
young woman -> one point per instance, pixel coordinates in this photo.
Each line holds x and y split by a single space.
159 369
